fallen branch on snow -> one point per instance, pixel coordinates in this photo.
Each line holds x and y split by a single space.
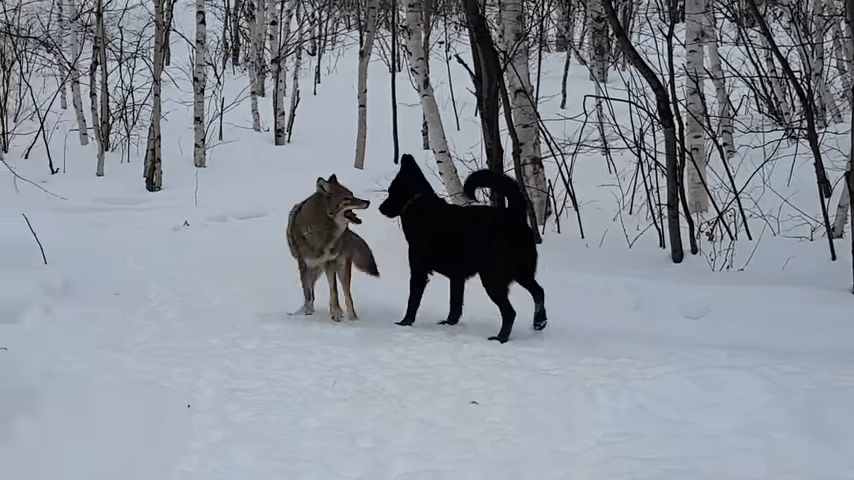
41 248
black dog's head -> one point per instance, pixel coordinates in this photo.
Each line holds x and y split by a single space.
407 185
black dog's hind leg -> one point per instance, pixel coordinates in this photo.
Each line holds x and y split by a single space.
458 287
417 284
539 295
497 290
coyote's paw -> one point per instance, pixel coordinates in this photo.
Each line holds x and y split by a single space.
336 313
306 309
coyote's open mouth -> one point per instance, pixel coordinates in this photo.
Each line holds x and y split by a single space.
349 215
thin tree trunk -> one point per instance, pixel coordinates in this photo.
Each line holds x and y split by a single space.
76 49
62 19
427 25
362 88
255 66
394 64
100 128
236 40
668 125
260 42
153 152
295 91
417 66
523 107
199 83
695 133
279 48
725 120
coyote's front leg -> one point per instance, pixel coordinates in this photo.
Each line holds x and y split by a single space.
331 270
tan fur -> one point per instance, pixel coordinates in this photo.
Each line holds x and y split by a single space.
320 240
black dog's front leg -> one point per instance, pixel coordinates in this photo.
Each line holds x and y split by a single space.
417 284
458 287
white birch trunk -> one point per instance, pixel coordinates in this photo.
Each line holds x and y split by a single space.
153 151
824 100
842 208
414 48
254 70
816 59
695 134
523 108
260 43
844 58
279 49
76 50
362 79
598 45
63 68
106 119
199 83
97 45
725 120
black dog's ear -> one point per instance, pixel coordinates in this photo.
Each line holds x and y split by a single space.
332 178
407 161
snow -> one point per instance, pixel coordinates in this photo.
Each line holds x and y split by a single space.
156 343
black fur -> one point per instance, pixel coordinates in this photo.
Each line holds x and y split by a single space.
459 242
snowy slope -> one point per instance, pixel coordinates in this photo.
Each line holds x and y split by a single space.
153 349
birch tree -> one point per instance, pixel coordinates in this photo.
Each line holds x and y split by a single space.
695 134
280 30
199 80
61 17
725 120
259 38
524 110
100 128
362 88
76 47
153 152
826 105
599 43
414 49
255 63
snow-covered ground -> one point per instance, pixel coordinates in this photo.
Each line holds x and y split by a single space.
157 343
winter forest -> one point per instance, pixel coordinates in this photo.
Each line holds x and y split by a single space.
712 101
687 166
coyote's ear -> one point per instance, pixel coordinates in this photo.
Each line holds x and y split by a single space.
322 185
332 179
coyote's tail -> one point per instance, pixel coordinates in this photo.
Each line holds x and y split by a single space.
504 184
361 253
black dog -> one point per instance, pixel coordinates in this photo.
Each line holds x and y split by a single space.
459 242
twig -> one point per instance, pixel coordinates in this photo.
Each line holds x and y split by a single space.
39 242
30 181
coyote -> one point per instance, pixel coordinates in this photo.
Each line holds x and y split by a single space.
320 240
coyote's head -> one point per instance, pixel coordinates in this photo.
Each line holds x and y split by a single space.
340 201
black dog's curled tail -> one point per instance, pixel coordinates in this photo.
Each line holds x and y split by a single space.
504 184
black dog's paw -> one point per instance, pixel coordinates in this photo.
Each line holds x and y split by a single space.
540 319
499 339
449 321
405 322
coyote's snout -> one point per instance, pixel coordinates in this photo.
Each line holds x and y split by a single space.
320 240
